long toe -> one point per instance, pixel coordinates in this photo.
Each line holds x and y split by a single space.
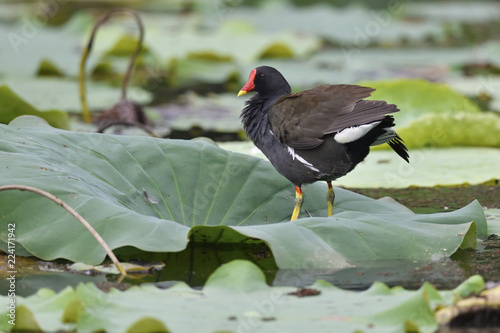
330 197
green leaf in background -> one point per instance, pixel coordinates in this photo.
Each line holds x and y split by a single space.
13 106
47 68
453 129
417 97
277 50
125 46
434 115
198 189
254 306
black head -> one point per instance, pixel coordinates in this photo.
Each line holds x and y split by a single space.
267 81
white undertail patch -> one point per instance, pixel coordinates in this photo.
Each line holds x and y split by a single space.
299 158
351 134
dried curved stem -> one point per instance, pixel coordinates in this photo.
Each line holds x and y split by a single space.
81 78
75 214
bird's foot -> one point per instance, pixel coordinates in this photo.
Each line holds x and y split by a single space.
330 197
298 203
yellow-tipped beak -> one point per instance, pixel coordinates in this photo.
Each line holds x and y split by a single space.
249 86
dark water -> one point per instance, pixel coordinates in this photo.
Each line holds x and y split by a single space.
195 264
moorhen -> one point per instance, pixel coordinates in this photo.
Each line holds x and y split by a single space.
318 134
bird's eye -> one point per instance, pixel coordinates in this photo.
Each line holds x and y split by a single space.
261 76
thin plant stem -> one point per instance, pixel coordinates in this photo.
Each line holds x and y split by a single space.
81 78
73 212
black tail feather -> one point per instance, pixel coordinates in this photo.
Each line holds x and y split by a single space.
398 145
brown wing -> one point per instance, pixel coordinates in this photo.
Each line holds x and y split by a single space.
301 120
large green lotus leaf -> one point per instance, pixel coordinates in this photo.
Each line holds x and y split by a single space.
13 106
235 299
153 194
427 167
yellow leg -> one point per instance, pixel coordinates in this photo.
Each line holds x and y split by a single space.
330 196
298 203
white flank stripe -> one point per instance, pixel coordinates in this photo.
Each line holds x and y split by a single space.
299 158
351 134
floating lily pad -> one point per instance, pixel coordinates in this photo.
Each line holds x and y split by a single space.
349 25
320 307
63 94
241 46
13 106
193 71
215 112
352 64
28 42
